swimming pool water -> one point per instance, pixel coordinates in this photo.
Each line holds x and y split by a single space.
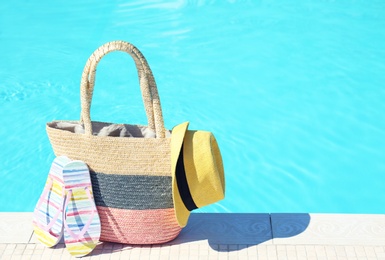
293 91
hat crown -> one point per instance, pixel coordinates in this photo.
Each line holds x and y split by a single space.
203 167
197 171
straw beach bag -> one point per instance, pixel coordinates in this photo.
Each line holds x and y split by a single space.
130 165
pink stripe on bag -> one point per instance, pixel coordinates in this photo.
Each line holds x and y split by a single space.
152 226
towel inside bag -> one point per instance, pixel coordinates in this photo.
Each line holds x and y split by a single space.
107 129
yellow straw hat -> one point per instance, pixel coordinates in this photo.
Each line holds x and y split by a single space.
197 171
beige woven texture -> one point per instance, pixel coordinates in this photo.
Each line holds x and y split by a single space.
117 155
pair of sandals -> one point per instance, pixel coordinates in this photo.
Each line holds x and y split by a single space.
67 207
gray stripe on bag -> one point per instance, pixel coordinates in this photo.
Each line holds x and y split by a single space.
132 191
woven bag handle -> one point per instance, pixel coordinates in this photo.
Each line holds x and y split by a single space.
146 81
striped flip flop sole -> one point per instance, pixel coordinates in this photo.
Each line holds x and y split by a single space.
48 214
82 222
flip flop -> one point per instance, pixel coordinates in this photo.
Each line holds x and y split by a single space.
48 214
81 220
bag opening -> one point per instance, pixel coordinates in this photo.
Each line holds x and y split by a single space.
107 129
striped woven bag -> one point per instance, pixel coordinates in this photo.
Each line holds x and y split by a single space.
130 166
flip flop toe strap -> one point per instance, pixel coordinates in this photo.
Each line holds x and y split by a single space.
39 204
78 237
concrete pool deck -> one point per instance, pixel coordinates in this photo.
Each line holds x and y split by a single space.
226 236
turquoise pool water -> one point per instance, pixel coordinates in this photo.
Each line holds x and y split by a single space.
294 91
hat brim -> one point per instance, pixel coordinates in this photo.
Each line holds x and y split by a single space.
177 136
